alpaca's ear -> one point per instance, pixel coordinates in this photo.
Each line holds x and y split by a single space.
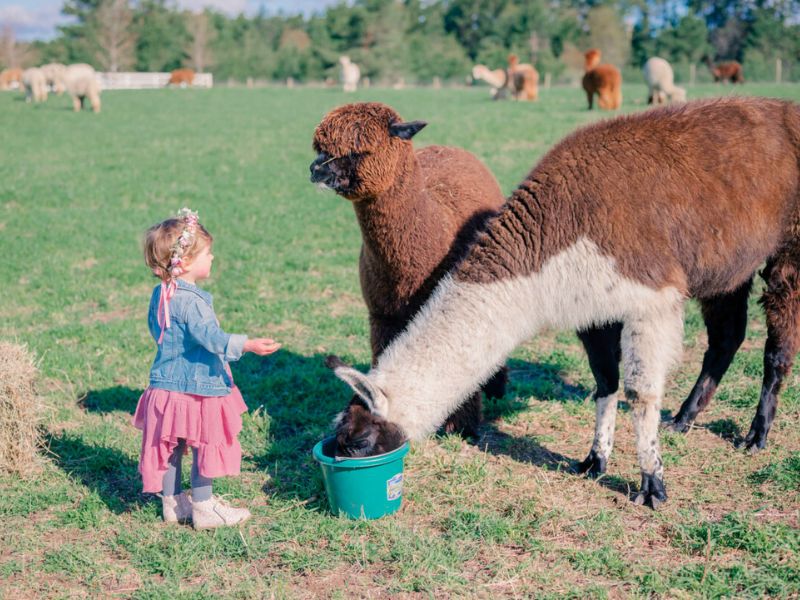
371 395
405 131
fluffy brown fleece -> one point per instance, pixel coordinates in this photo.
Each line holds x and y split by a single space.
9 76
603 80
181 77
417 210
523 79
730 70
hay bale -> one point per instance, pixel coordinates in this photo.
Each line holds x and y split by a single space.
20 412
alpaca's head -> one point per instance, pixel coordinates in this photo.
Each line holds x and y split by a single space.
592 59
360 149
362 429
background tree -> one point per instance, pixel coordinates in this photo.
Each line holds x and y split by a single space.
113 35
201 36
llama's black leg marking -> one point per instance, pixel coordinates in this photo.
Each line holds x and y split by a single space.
725 317
781 303
603 349
652 490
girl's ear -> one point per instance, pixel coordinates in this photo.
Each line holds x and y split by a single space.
405 131
369 393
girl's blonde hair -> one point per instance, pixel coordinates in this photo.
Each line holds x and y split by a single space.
160 240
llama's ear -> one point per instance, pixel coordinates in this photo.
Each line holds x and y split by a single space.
405 131
371 395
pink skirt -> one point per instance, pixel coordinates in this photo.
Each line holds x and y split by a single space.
209 423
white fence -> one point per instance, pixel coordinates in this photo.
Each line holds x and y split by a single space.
144 81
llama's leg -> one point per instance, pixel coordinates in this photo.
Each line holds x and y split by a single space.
602 346
590 98
781 302
725 317
651 343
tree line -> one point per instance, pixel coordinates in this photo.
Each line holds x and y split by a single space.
419 40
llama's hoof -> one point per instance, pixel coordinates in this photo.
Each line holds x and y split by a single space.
754 442
594 465
676 426
652 491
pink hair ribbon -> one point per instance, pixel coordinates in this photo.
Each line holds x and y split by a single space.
167 292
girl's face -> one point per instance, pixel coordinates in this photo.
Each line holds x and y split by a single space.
200 267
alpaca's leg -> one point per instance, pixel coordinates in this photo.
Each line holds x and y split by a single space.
467 418
781 302
590 98
602 345
725 317
651 344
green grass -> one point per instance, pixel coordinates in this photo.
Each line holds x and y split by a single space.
499 518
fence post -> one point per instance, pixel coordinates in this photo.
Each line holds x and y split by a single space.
547 81
778 70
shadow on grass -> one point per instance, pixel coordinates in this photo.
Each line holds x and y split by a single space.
117 398
727 429
107 471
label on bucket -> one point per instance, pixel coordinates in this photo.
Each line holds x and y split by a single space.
394 487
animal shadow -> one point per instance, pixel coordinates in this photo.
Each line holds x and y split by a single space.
107 471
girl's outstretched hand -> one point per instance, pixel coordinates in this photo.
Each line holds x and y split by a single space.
261 346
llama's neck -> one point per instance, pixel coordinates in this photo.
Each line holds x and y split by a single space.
397 222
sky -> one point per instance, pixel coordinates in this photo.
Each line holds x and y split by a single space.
37 19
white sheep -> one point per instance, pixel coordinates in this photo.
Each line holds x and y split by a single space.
350 75
54 75
80 80
35 85
660 82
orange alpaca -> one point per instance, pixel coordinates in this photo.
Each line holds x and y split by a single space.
730 70
181 77
523 79
9 76
603 80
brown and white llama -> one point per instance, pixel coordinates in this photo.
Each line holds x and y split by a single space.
729 70
417 211
523 79
603 80
604 229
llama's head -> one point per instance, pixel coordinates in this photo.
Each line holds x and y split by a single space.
362 429
360 149
592 59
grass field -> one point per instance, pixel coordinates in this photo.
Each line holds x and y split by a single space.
501 517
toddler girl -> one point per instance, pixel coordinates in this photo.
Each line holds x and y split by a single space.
191 400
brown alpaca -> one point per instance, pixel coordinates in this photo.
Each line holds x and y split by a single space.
181 77
730 70
417 211
603 80
9 76
523 79
605 229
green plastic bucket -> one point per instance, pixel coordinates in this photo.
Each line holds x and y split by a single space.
362 488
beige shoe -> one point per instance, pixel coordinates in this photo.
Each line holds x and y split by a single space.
176 509
215 512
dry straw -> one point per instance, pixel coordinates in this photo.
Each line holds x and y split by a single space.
20 412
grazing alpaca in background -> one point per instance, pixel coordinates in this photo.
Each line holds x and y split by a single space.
54 75
350 75
418 211
603 80
523 79
496 79
181 77
80 81
35 85
580 247
10 77
730 70
661 87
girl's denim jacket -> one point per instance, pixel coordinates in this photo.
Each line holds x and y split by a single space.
193 356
